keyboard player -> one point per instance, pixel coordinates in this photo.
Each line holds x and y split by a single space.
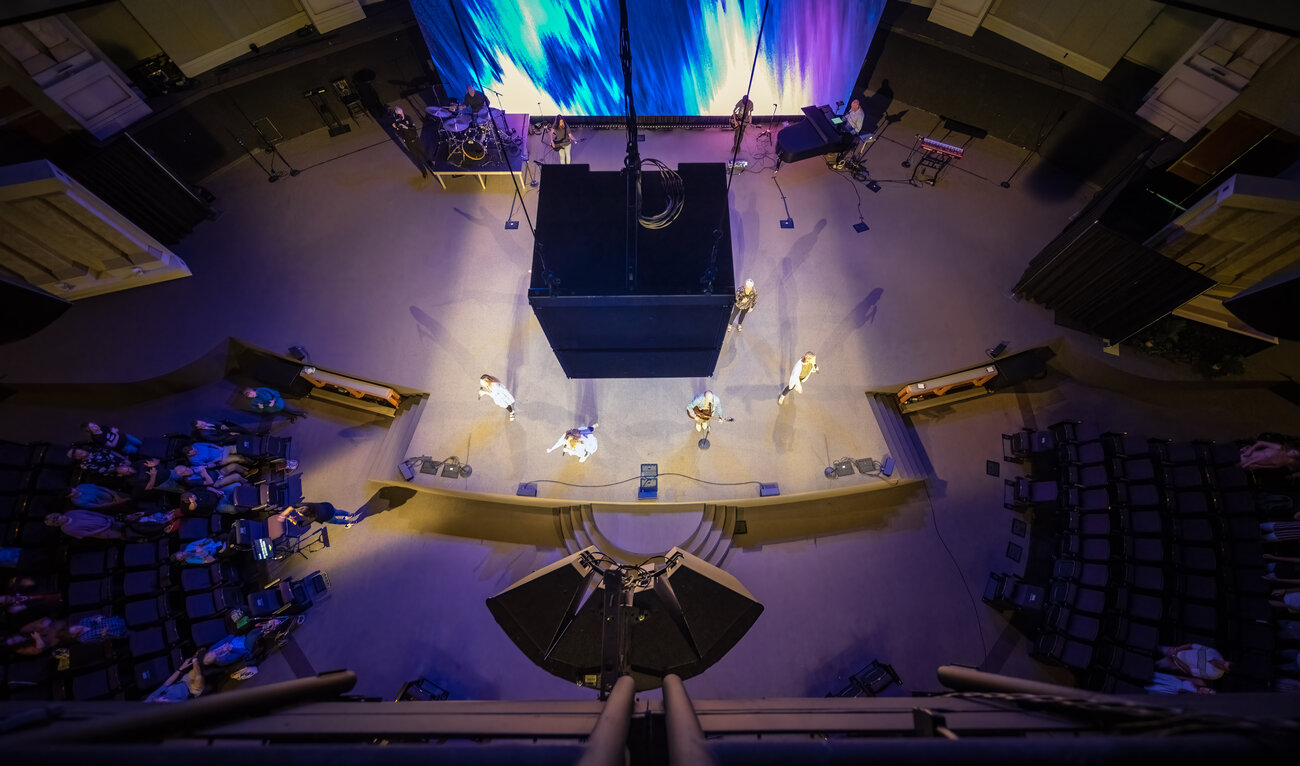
853 122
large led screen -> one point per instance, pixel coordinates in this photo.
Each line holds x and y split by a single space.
690 57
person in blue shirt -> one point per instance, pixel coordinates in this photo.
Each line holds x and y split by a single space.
95 497
225 462
268 401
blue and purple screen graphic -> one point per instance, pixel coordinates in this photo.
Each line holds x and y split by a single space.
689 57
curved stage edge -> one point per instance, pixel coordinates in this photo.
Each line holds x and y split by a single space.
631 532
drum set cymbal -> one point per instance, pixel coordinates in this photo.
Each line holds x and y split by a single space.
441 113
457 124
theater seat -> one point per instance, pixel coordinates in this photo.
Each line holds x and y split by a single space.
1085 574
1087 600
1138 667
1055 649
1134 635
1077 627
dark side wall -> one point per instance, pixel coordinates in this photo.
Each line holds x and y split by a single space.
1082 126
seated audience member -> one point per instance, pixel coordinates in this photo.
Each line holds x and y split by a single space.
214 455
232 648
1288 599
1165 683
152 524
13 603
81 524
1280 531
206 501
1193 660
203 551
40 636
223 433
1282 569
1288 664
267 401
95 497
112 438
142 476
183 478
1265 454
100 460
186 683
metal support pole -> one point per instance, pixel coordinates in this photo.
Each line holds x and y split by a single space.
161 721
961 679
607 745
686 746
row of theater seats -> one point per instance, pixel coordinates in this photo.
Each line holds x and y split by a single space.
170 609
1143 543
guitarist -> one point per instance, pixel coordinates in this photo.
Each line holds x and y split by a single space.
561 141
741 116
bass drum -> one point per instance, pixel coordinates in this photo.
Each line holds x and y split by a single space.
473 151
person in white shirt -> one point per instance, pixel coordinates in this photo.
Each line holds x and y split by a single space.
855 119
803 369
1194 661
493 387
579 442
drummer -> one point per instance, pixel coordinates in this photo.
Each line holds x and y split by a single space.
475 101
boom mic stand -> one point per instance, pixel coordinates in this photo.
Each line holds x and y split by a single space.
509 130
768 132
890 119
271 176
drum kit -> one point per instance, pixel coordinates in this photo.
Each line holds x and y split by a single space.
469 137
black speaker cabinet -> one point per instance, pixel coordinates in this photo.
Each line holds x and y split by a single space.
665 322
1018 368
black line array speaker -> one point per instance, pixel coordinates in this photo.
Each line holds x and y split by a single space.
667 322
1018 368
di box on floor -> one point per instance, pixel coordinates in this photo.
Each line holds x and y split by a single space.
609 313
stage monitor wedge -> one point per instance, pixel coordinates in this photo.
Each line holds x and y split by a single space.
669 325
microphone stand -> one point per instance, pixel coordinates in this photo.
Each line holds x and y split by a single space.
770 123
271 177
509 130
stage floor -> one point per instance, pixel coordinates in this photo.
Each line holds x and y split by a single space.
378 272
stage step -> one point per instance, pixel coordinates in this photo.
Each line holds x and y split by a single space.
716 526
900 437
711 540
578 521
392 449
564 527
696 540
720 551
